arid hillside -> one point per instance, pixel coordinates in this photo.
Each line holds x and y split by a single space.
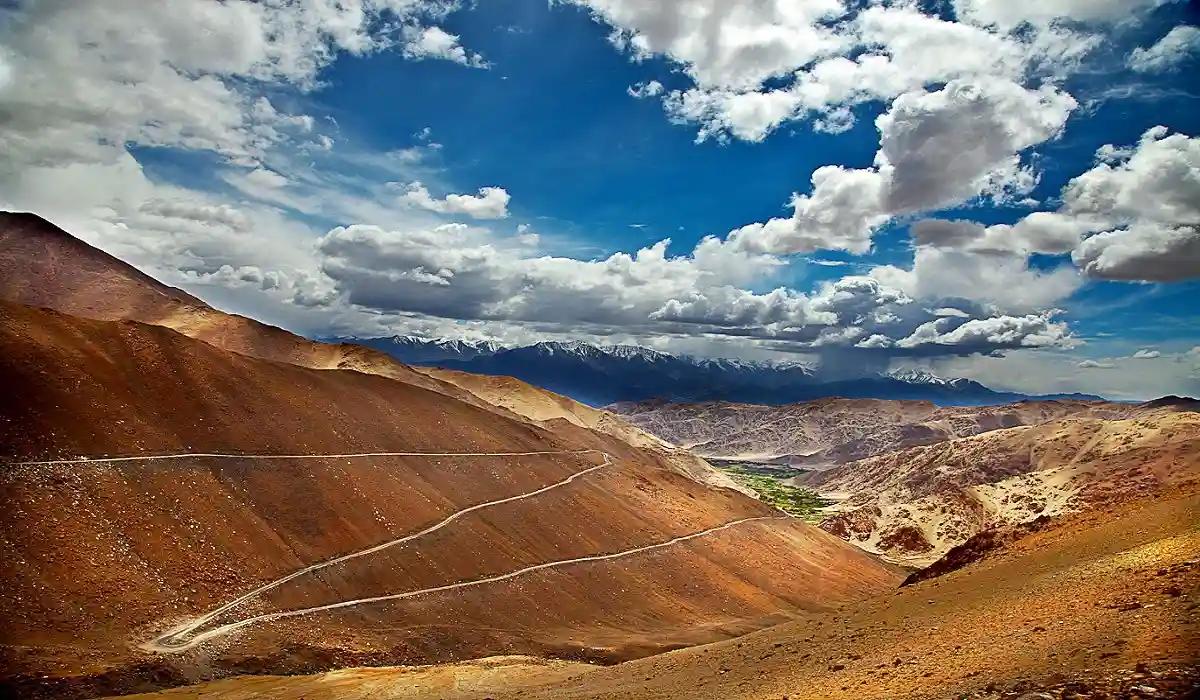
540 404
579 544
828 432
1098 605
41 265
914 504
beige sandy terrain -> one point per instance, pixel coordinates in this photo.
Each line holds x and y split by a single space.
913 505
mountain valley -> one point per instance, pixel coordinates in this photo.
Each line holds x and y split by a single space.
911 480
830 432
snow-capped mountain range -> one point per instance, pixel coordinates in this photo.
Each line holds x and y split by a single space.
600 375
920 376
423 351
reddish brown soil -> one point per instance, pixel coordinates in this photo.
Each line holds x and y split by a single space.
41 265
1099 594
101 556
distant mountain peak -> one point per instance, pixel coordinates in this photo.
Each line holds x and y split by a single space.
576 348
635 351
754 365
449 343
914 375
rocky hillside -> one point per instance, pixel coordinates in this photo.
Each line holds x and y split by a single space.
828 432
915 504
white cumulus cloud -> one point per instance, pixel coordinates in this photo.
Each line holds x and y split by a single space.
1134 216
435 42
1001 280
1031 331
946 146
175 73
721 43
936 149
755 66
650 88
490 203
1142 252
1166 54
454 271
1010 13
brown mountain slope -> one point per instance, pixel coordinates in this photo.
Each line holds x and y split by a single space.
827 432
42 265
101 556
914 504
1094 606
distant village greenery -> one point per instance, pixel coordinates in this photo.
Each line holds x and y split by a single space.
794 500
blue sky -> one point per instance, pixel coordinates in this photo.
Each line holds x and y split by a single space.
492 170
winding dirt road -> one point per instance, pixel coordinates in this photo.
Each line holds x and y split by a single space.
177 638
172 643
187 636
217 455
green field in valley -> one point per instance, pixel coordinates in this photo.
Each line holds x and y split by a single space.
794 500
